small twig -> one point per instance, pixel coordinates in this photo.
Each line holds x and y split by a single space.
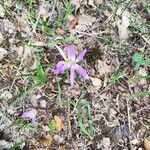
69 127
129 122
145 39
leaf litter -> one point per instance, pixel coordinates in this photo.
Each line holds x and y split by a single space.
111 35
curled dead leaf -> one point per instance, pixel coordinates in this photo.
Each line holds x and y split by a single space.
72 21
3 53
147 143
47 141
96 82
61 147
60 31
91 3
100 2
58 121
77 4
1 37
84 22
123 27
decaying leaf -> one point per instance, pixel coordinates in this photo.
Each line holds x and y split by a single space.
122 131
60 31
1 38
84 22
3 53
91 3
96 82
58 121
104 70
77 3
2 11
44 10
61 147
106 144
8 26
147 143
24 52
72 21
23 22
47 141
100 2
123 27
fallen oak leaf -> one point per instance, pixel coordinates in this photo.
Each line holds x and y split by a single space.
147 143
3 53
60 31
47 141
61 147
72 21
96 82
58 121
123 27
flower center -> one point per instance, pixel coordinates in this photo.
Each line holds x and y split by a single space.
67 60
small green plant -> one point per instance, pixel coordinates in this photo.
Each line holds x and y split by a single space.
52 126
138 23
30 4
38 77
148 9
17 146
22 124
140 61
45 27
68 8
60 103
84 117
69 39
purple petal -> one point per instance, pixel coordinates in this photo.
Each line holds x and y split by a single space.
82 72
33 120
64 67
72 75
58 67
31 115
61 52
71 52
81 55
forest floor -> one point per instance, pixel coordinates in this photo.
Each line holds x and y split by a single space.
111 110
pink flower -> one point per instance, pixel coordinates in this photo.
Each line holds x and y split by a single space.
30 115
70 62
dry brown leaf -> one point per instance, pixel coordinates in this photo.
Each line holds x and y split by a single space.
77 3
44 10
8 3
103 69
91 3
58 121
123 27
61 147
39 44
96 82
72 22
23 22
60 31
24 52
47 141
100 2
2 11
106 144
147 143
84 22
1 38
3 53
